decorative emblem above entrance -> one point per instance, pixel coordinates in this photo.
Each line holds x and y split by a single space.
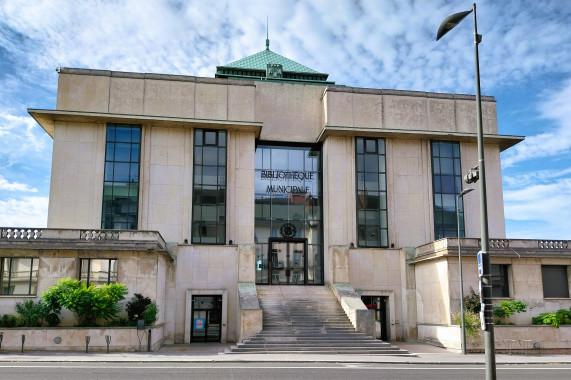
288 230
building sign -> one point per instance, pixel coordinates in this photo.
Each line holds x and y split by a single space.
287 181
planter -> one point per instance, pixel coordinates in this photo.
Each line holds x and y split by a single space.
74 338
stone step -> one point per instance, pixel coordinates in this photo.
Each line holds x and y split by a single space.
334 351
327 344
308 319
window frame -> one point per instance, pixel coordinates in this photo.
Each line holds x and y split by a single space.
89 261
109 220
9 276
440 230
199 226
552 278
362 176
503 278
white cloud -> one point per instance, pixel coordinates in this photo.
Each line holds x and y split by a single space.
388 44
21 139
546 205
556 108
24 212
15 186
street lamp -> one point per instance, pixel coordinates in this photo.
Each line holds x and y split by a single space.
488 324
464 192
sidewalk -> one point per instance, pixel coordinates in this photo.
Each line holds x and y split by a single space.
214 352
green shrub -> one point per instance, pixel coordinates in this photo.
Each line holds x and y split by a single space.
471 322
119 322
150 314
31 313
142 308
507 308
88 303
137 306
561 317
8 320
472 302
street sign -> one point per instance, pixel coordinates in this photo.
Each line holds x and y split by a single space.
480 264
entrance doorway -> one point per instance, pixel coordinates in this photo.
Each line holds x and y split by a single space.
206 319
288 261
379 305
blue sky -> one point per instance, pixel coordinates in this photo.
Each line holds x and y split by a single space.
525 60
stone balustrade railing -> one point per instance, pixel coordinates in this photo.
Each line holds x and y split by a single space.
21 234
499 246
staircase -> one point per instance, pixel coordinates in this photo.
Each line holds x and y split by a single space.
308 319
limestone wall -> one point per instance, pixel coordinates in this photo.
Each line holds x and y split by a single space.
155 95
406 110
433 292
211 270
76 186
73 339
141 272
525 283
377 272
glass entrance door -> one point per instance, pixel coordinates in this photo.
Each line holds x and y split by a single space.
206 318
288 261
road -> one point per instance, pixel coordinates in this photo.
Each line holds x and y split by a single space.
271 371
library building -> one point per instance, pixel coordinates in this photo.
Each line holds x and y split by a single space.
271 207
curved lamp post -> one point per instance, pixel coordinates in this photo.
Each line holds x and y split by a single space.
464 192
448 24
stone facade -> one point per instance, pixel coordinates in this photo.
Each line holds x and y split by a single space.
169 108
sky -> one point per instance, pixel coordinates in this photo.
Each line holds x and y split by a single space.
525 63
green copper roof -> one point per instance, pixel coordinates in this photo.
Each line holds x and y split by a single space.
259 61
267 65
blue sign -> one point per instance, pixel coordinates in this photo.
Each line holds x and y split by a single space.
199 323
480 264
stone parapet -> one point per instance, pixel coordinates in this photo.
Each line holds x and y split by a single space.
250 318
362 318
80 239
498 247
74 339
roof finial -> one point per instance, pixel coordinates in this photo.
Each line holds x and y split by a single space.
267 33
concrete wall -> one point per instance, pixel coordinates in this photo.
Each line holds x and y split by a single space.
507 338
76 187
433 292
385 109
73 339
155 95
202 268
525 283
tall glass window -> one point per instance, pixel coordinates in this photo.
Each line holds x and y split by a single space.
447 184
209 191
18 275
121 186
372 226
288 207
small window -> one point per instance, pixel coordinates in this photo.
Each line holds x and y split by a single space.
98 271
19 276
500 285
555 281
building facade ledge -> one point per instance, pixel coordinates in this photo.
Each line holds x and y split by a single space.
518 248
81 239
